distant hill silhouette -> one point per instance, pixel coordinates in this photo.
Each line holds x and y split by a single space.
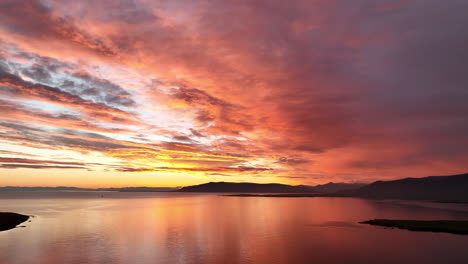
332 187
452 188
234 187
436 188
62 188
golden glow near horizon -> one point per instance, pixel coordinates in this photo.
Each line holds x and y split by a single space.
149 93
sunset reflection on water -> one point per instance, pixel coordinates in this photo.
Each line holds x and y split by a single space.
207 228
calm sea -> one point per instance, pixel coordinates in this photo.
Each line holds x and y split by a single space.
140 228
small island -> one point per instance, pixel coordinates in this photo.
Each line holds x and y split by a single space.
446 226
11 220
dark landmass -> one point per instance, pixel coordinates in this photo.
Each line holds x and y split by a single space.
446 226
435 188
281 195
442 189
140 189
452 201
234 187
11 220
61 188
337 187
229 187
16 189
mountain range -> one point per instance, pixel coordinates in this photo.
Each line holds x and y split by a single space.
452 188
234 187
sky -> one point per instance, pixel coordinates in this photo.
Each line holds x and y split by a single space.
173 93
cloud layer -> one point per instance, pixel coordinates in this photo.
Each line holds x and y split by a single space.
302 92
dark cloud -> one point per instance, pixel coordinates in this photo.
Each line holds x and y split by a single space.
102 90
39 21
15 163
14 111
204 116
36 72
131 12
21 128
49 71
63 116
7 152
221 115
29 166
197 97
51 94
34 161
79 140
292 177
196 133
84 144
182 138
211 169
293 161
82 134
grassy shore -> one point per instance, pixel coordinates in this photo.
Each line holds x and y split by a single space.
447 226
11 220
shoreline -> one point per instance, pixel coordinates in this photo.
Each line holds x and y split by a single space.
332 195
279 195
458 227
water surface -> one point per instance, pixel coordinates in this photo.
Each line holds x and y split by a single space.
107 227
